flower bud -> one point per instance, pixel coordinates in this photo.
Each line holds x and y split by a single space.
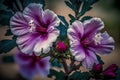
111 71
97 68
61 47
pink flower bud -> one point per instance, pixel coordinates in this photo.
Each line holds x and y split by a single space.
61 47
97 68
111 71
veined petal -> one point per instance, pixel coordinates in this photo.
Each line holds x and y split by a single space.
77 51
92 26
43 45
22 58
75 31
106 46
26 71
18 24
26 42
43 66
33 11
50 18
90 59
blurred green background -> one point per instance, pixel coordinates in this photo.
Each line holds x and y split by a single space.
107 10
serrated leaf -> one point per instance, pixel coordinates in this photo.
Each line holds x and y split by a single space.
85 18
86 7
8 32
91 2
56 63
118 74
7 45
79 76
62 18
99 59
72 18
59 75
73 7
5 17
63 31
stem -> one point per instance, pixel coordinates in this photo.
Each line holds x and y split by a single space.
78 8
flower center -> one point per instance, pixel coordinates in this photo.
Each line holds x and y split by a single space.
86 42
41 30
32 26
97 38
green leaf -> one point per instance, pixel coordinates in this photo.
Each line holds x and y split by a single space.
8 59
63 31
118 74
26 2
62 18
7 45
56 63
85 18
73 7
99 59
59 75
8 32
72 18
86 7
5 17
80 76
3 7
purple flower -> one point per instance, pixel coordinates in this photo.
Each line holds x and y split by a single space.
97 68
110 72
86 40
35 28
29 65
61 47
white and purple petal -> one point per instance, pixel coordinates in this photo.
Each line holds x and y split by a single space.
92 26
43 66
106 45
90 59
50 18
33 11
75 31
18 24
44 44
27 42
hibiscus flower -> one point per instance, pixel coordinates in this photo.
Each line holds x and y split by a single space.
30 65
35 28
86 40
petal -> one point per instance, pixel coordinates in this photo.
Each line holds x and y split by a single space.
92 26
22 58
26 71
75 31
50 18
26 42
43 69
90 59
44 44
106 46
77 51
18 24
33 11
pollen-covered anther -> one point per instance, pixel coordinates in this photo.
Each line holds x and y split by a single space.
97 38
32 26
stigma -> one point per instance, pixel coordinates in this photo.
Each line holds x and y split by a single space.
32 25
97 38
